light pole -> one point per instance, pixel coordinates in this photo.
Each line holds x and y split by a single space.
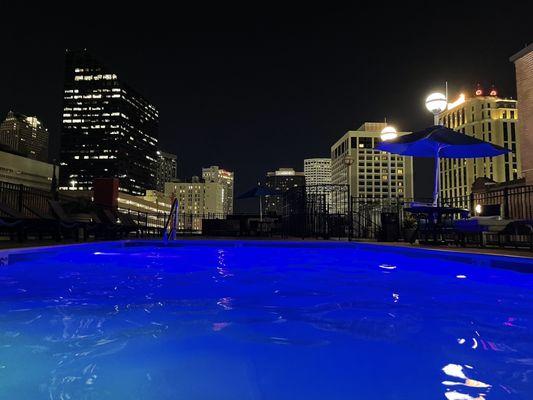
348 161
436 103
389 133
73 183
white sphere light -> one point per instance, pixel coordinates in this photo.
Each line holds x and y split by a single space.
388 133
436 103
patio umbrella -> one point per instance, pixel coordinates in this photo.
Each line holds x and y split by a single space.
258 191
440 142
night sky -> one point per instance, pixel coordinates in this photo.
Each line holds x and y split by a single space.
254 88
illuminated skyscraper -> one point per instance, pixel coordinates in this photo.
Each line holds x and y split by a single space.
488 117
373 174
317 171
224 177
25 135
108 129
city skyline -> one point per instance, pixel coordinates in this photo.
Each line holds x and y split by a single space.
237 97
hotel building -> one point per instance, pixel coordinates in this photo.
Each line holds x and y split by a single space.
24 135
490 118
373 174
280 181
523 61
197 200
224 177
108 129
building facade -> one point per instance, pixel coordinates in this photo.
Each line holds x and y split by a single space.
224 177
196 200
523 61
490 118
25 135
25 171
280 181
153 208
317 171
373 174
167 169
108 129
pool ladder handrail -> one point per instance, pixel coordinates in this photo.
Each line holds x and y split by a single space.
172 221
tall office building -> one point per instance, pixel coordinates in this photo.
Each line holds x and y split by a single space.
523 61
167 169
317 171
25 135
488 117
108 129
280 181
219 175
373 174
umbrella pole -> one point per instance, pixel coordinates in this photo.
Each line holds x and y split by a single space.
437 179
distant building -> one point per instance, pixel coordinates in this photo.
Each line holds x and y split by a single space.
280 181
488 117
25 171
219 175
523 61
167 169
25 135
317 171
197 200
153 207
368 176
108 129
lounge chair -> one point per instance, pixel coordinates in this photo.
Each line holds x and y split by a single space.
116 226
478 228
23 224
12 226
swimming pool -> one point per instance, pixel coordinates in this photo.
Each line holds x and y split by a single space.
264 320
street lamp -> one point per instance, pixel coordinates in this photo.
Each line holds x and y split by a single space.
73 183
436 103
348 161
389 133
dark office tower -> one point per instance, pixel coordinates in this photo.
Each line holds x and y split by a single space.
167 169
108 130
280 181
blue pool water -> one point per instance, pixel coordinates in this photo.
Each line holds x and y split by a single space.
264 320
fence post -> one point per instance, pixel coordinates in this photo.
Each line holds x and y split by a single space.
20 197
506 203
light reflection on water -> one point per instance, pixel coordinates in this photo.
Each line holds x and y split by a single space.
250 322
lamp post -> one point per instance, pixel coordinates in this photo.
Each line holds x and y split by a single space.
73 184
436 103
348 161
389 133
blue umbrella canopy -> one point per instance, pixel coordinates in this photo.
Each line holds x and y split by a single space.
439 141
258 191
